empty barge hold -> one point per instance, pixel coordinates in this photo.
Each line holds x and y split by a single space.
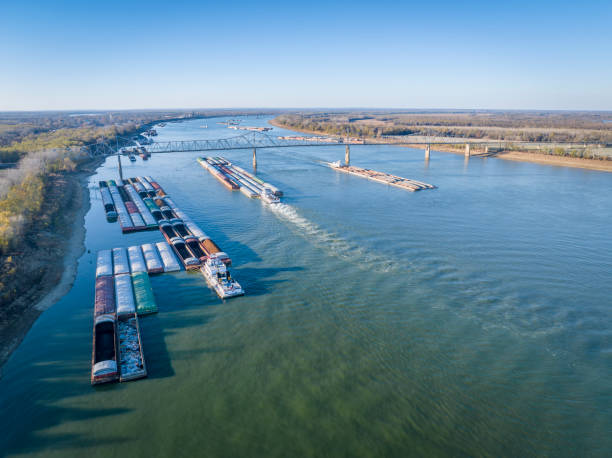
180 229
382 177
143 294
219 278
137 262
104 303
104 353
196 249
124 295
120 261
152 259
168 257
185 255
167 231
132 363
104 265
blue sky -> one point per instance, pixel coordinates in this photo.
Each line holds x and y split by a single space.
123 55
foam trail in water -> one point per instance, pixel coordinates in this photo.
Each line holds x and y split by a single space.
331 242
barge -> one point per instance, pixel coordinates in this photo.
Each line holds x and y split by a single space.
124 295
107 201
168 257
152 259
190 262
104 352
143 294
120 261
131 358
137 261
248 184
382 177
104 264
104 302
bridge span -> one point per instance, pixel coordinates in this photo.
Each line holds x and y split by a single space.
259 140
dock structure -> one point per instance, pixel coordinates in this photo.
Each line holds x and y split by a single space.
382 177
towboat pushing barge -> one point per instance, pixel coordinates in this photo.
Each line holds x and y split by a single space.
219 278
248 184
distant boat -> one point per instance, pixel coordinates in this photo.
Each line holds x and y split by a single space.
205 126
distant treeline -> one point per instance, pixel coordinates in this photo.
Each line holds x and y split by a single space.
511 126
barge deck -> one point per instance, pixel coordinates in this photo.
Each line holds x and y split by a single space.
382 177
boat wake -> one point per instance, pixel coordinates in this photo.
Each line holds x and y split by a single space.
332 243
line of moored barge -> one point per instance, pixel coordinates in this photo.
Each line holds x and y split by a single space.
123 290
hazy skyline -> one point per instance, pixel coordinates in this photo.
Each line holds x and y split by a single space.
73 55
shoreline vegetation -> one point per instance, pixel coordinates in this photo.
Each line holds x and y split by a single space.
375 127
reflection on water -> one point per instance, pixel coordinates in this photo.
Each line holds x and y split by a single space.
472 319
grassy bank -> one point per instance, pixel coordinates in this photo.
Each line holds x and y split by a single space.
585 158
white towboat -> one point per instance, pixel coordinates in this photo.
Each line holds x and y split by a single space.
217 276
268 196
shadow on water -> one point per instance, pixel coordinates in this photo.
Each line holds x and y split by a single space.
257 281
40 400
156 329
156 353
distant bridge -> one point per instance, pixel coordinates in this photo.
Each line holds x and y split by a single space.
259 140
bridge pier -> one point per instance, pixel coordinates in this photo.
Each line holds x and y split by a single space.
427 151
254 158
120 170
347 156
486 151
467 150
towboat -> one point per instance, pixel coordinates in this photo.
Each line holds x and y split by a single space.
104 354
219 278
185 255
269 197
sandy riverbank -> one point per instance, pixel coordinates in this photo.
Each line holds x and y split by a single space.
59 279
521 156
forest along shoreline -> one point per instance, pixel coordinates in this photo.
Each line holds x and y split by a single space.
518 156
44 198
56 251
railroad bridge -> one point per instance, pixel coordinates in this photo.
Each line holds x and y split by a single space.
260 140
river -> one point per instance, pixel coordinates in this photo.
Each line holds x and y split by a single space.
473 319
